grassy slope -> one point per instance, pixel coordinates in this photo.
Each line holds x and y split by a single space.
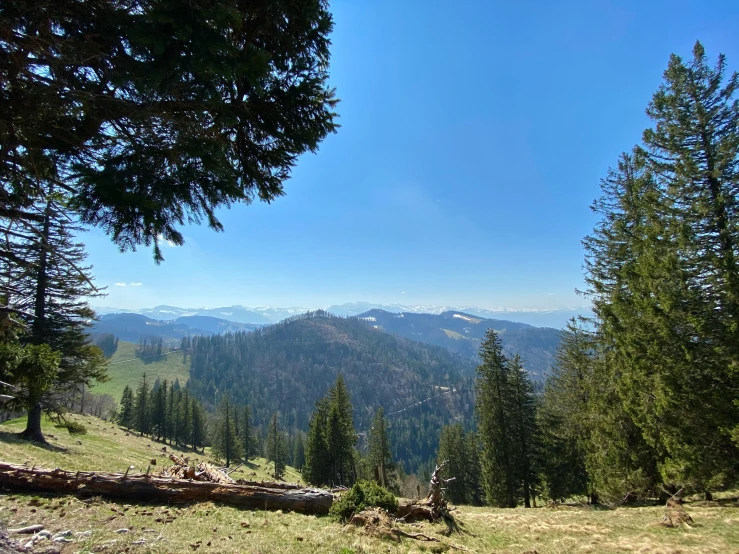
106 447
207 528
126 369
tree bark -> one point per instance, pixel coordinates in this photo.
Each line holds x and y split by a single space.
33 425
160 489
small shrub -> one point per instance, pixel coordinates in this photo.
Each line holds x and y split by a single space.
362 495
74 427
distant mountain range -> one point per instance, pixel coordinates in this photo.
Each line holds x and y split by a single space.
462 332
458 332
266 315
132 327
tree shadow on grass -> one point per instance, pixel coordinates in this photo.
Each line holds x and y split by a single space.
14 438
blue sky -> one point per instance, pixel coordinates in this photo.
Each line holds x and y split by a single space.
474 135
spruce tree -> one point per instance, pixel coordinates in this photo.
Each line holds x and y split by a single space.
197 426
380 455
142 409
474 493
247 440
495 427
340 433
46 285
126 416
524 428
298 461
453 451
564 415
276 448
226 444
317 469
141 155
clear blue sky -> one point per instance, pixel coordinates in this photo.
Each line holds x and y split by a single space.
474 135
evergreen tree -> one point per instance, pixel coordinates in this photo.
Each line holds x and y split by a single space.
186 416
276 448
340 433
115 151
126 416
159 411
494 423
46 285
380 456
564 415
142 407
317 469
247 439
298 460
226 444
452 449
693 148
197 427
473 470
525 431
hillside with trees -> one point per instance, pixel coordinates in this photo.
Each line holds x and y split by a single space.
462 333
288 367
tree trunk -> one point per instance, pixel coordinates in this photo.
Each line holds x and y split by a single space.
147 488
33 425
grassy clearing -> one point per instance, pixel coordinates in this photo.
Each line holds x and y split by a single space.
126 369
207 528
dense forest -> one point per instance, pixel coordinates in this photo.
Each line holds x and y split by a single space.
287 367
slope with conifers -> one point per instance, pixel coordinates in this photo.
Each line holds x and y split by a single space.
462 333
287 367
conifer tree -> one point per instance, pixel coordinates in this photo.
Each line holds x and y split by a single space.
564 415
46 286
340 433
142 407
247 439
317 469
524 427
474 493
197 427
452 449
380 455
493 412
226 444
276 448
126 416
298 460
159 411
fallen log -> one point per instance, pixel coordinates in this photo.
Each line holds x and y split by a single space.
148 488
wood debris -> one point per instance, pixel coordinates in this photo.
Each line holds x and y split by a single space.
202 472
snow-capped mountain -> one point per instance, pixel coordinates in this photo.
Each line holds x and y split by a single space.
268 314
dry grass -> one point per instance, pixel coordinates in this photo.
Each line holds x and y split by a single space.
106 447
207 528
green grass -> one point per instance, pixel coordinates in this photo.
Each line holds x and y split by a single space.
126 369
107 447
209 528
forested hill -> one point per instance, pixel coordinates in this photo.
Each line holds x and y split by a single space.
287 367
461 333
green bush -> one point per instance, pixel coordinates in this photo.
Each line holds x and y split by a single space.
362 495
74 427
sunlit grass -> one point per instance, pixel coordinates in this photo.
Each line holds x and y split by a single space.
126 369
208 528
